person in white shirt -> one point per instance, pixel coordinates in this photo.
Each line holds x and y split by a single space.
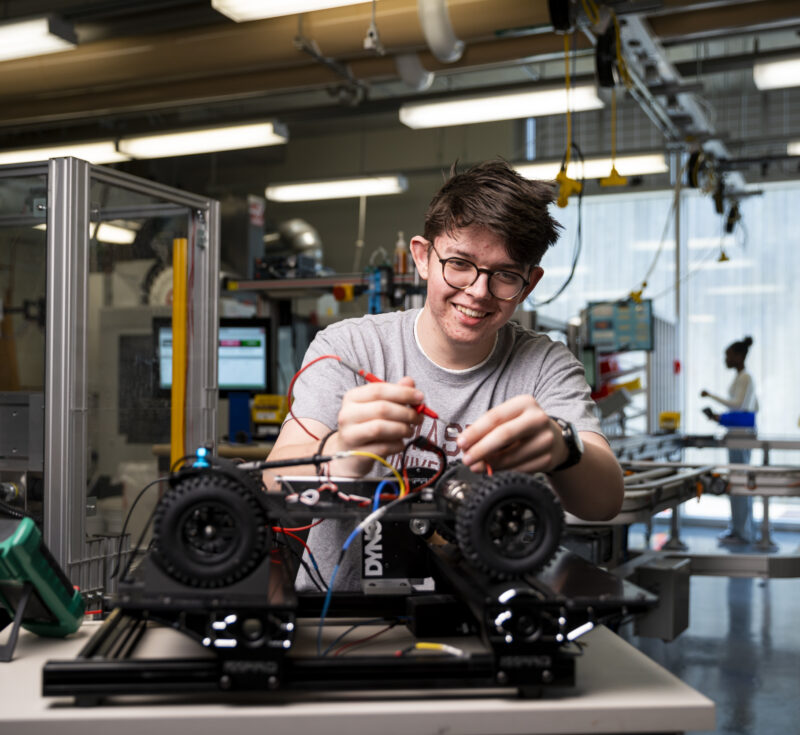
741 397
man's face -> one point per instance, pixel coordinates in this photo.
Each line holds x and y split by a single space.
466 320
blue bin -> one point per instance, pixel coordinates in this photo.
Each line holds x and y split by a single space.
738 419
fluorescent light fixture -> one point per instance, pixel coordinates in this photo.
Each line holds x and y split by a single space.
106 232
707 243
45 34
694 243
793 148
244 10
476 108
713 265
304 191
777 74
114 234
207 140
597 168
100 151
750 289
702 318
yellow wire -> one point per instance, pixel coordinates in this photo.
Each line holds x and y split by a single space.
423 646
380 459
591 11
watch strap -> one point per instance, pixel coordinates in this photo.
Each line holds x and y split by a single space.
574 450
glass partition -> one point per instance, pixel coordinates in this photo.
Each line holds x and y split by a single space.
23 283
87 257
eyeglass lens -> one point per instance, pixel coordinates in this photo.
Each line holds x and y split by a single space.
462 274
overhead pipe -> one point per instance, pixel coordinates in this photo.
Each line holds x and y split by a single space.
214 51
310 76
438 31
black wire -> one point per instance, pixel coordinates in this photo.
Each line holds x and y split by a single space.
323 441
19 513
136 548
181 459
426 445
320 448
127 519
340 637
286 542
577 247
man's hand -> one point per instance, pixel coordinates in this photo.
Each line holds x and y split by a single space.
704 393
377 418
517 434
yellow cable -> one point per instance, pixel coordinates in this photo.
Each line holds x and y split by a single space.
591 11
178 449
380 459
423 646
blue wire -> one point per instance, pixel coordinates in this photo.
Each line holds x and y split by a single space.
325 606
345 545
377 497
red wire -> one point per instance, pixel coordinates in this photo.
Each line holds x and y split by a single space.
362 640
291 389
281 529
296 537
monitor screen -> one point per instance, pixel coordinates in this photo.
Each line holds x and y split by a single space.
243 354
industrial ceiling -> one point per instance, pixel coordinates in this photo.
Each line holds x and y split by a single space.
172 63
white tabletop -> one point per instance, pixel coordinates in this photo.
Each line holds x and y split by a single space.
618 689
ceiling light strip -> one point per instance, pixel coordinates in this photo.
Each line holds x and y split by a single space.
597 168
477 108
303 191
44 34
207 140
245 10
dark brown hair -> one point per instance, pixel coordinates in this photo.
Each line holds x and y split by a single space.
741 348
493 195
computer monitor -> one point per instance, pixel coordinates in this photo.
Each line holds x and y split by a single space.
243 354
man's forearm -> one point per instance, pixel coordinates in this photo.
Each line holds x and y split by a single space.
593 489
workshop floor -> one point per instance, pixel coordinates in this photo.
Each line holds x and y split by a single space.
742 647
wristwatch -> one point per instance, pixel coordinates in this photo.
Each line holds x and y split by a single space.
574 444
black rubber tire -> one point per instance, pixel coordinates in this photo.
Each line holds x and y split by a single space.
209 531
510 524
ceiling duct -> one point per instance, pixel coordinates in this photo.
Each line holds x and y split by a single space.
412 72
438 31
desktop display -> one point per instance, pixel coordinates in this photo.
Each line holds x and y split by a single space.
243 355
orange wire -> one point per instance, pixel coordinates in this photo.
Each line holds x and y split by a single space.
280 529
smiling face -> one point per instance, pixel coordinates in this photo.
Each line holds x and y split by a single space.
458 326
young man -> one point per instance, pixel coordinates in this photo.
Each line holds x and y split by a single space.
505 396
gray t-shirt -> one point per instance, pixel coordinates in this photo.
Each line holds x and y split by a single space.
522 362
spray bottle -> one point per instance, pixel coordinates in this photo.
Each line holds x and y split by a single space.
400 254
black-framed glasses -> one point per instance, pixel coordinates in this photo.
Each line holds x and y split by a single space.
461 273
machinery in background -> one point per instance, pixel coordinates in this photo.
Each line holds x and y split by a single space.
630 360
294 250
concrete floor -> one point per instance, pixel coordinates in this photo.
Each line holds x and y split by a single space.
742 647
